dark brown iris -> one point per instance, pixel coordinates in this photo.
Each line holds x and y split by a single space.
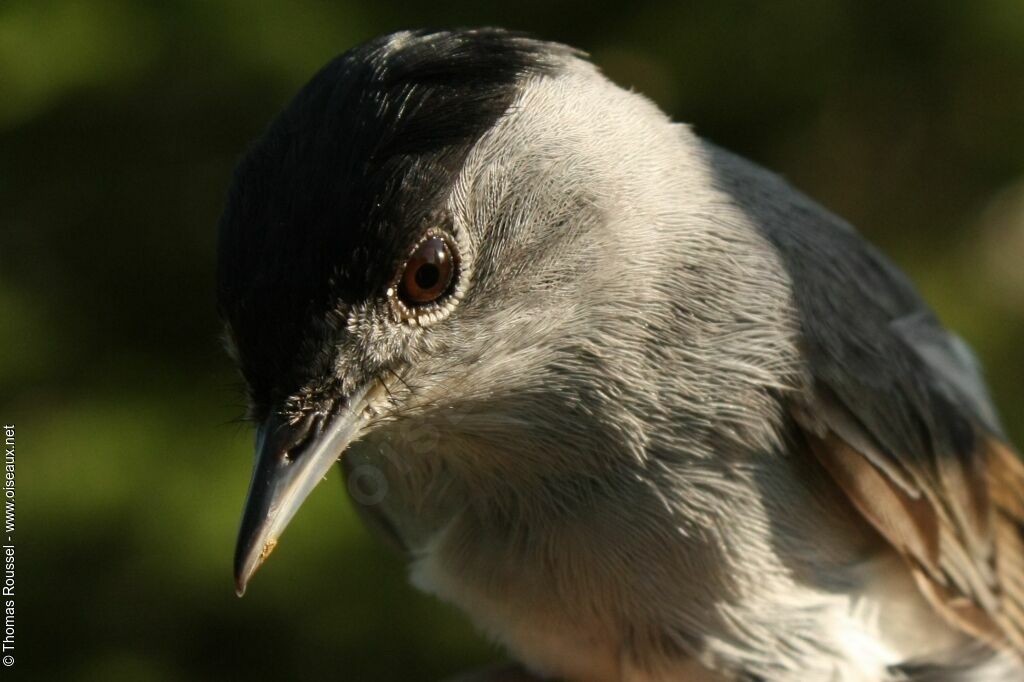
428 273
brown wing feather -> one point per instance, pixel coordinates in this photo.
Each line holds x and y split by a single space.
1006 488
960 526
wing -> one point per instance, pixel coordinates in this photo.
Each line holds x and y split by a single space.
896 410
955 516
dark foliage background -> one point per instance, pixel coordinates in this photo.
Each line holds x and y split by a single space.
119 125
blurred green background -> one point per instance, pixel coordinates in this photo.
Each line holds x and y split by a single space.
119 125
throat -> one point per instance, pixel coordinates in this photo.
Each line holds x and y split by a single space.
527 580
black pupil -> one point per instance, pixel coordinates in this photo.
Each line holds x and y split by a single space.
427 276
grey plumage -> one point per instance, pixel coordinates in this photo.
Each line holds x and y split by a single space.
652 430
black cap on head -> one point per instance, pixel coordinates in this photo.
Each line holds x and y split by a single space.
346 177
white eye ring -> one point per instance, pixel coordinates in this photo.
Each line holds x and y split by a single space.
429 273
429 281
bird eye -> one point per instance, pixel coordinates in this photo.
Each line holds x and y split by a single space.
428 273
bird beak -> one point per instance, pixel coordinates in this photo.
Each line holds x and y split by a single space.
290 460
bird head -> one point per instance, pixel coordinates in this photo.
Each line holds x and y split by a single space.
453 243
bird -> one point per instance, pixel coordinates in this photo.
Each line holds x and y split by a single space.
638 407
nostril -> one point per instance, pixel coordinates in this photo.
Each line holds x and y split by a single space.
291 438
